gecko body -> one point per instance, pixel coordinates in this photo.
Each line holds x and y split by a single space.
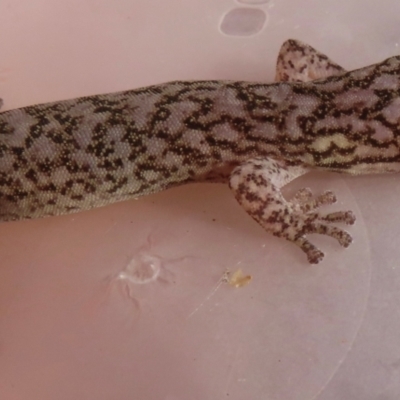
72 155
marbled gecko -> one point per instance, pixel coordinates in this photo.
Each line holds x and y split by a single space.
72 155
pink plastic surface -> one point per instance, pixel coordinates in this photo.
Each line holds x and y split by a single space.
129 301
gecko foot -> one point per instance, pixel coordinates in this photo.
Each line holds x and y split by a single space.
257 184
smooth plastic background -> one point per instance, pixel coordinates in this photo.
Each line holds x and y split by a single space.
129 301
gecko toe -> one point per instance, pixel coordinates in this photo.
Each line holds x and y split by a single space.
314 255
345 239
306 202
346 217
302 196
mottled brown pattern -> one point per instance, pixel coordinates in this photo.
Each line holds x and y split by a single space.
73 155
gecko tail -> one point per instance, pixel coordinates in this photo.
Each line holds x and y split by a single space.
299 62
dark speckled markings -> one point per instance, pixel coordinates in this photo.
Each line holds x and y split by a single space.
73 155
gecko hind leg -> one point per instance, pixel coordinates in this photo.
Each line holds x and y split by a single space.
257 187
299 62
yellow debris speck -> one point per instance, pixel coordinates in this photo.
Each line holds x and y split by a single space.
238 279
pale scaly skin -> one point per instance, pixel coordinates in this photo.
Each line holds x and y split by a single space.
73 155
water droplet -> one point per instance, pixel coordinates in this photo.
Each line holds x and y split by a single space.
243 21
253 1
142 269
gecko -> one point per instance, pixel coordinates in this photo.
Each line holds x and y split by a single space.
73 155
